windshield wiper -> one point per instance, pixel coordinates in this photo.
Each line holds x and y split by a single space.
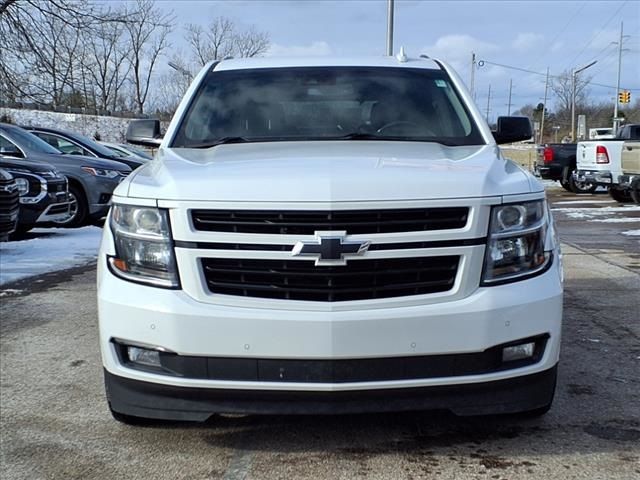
220 141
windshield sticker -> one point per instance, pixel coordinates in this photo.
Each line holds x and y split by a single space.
441 83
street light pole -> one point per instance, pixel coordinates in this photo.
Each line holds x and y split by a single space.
574 73
544 108
390 9
616 100
180 70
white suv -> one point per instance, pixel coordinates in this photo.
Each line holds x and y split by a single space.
329 236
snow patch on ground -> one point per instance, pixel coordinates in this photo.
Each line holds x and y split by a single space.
617 220
550 183
575 202
592 213
56 249
632 233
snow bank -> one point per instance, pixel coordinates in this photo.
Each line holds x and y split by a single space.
54 249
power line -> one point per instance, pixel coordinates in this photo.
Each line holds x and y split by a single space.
598 32
511 67
562 31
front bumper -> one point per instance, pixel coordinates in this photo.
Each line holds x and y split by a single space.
56 212
8 222
598 177
53 207
167 402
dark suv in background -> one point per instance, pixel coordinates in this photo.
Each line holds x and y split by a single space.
43 194
91 180
9 204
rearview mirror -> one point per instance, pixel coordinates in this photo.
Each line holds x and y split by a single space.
144 132
512 129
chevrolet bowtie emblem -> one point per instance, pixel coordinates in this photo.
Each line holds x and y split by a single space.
330 248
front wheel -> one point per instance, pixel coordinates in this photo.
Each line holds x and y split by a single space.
635 194
78 211
621 195
566 185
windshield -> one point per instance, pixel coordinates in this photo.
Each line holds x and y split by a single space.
28 141
350 103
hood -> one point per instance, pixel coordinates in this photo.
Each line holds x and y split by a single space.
27 165
70 164
324 171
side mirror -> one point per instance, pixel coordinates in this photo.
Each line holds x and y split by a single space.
144 132
512 129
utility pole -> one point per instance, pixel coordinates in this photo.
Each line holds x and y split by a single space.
574 73
544 107
488 103
473 75
617 98
509 104
390 8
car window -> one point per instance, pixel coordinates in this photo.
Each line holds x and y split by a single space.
99 149
9 148
28 141
116 151
64 145
313 103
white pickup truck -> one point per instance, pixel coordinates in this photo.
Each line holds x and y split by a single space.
329 236
600 162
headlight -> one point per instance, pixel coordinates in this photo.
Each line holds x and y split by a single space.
144 248
23 186
515 247
101 172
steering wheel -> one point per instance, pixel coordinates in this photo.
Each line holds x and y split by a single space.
404 122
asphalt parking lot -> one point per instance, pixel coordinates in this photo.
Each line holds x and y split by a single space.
56 424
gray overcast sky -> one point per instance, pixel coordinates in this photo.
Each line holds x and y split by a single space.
525 34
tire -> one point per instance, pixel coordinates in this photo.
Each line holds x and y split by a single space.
20 231
620 195
635 194
566 186
581 187
79 209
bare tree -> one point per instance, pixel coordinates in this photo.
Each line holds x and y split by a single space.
169 92
252 43
214 43
563 88
42 49
106 62
147 32
223 38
